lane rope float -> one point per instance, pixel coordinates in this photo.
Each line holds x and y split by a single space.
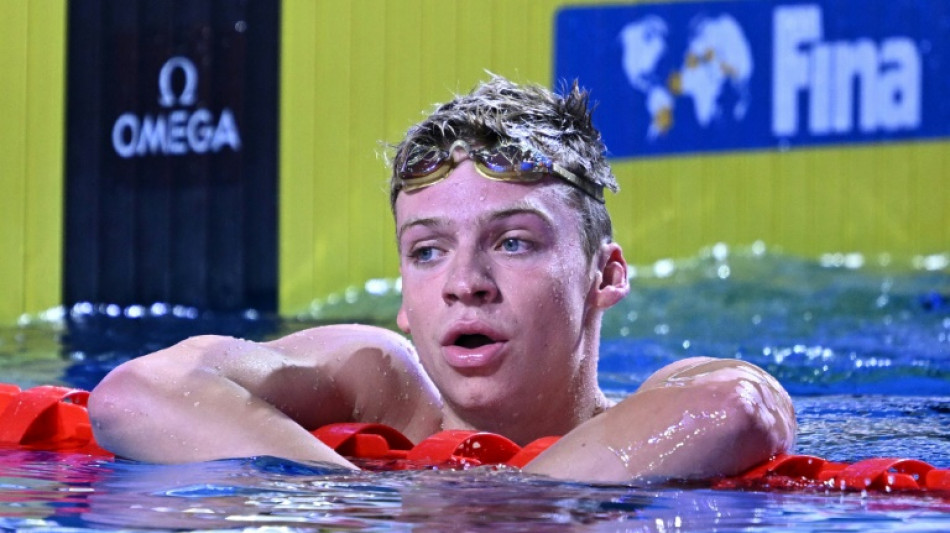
52 418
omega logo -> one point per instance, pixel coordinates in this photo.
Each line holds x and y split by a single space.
178 131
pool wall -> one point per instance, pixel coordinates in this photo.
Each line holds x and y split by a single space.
32 48
353 74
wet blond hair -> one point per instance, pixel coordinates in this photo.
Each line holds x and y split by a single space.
559 126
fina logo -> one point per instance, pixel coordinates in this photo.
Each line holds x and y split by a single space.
837 87
717 58
888 74
178 132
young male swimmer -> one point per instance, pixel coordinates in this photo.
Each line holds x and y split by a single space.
507 267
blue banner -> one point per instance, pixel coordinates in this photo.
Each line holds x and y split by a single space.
718 76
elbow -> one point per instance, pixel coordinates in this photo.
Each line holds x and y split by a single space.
114 408
127 406
759 422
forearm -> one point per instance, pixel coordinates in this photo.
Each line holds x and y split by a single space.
183 412
213 397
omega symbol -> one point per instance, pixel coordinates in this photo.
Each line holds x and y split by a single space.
166 94
176 131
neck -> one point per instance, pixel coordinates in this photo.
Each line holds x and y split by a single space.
556 413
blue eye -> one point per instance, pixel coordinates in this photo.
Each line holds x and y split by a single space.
423 254
512 245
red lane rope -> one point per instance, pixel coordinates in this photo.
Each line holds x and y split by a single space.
55 419
881 474
46 418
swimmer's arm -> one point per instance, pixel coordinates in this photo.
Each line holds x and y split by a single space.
216 397
696 419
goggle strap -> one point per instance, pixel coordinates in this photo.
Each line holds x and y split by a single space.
594 190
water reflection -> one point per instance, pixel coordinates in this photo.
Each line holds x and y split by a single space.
267 492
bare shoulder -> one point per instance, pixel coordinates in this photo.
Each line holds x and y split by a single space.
698 371
733 386
359 359
249 363
688 366
335 342
376 370
696 418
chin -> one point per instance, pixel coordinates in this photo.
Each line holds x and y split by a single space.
474 394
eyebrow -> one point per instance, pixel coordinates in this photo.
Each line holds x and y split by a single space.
520 208
413 222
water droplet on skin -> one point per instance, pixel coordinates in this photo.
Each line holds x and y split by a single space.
622 455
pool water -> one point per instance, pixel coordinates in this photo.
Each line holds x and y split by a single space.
863 345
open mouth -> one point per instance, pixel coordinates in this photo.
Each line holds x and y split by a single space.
473 341
474 348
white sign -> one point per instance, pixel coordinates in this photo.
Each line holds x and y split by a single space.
882 80
179 130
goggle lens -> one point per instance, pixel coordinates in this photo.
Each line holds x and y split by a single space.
504 159
422 161
426 165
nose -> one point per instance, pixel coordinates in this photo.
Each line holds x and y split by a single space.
470 280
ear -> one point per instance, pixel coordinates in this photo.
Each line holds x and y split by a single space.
402 320
612 283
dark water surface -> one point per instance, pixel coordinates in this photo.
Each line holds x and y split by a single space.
49 492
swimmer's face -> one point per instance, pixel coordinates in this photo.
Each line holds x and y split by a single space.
498 294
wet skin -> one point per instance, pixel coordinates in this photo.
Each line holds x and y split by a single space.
504 311
502 303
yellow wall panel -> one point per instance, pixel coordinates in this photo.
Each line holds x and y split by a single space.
31 58
379 66
298 98
44 154
871 199
13 62
367 116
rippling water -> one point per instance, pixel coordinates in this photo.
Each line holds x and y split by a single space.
43 491
862 345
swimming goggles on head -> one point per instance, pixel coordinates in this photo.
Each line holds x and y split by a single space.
421 166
